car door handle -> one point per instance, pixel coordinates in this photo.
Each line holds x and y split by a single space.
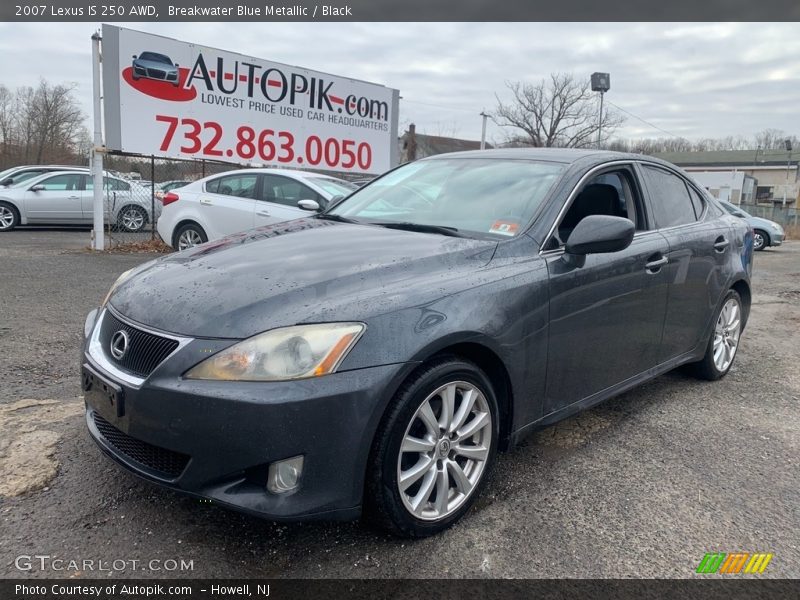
654 266
205 201
721 244
73 197
263 213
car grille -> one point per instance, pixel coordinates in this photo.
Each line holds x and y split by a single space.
145 350
167 463
156 73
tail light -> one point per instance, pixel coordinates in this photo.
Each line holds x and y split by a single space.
169 198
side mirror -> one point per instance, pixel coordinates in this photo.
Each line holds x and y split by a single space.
310 205
596 234
7 181
134 57
37 188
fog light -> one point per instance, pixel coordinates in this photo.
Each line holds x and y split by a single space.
284 475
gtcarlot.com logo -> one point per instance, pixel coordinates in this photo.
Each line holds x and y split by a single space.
731 563
47 562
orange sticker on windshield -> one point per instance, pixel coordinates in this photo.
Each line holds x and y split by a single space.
504 227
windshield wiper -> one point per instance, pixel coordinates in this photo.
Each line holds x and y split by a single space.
339 218
421 227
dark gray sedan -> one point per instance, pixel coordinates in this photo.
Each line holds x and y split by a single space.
377 356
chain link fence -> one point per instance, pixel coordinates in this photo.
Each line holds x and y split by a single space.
134 187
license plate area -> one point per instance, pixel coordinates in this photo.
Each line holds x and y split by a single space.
103 395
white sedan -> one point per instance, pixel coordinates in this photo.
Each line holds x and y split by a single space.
219 205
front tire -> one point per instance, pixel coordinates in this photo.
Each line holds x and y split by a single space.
724 342
760 240
434 449
9 217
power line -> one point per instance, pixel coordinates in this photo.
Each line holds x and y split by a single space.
627 112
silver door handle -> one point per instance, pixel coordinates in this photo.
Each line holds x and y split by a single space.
205 201
721 245
73 197
656 264
262 213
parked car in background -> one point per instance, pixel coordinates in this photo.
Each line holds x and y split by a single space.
379 354
67 198
167 186
218 205
17 175
765 232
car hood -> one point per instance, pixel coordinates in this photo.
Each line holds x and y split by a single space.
307 270
759 222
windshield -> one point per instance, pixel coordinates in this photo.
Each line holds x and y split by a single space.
484 196
23 177
152 56
334 187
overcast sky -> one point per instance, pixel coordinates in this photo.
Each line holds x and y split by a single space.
693 80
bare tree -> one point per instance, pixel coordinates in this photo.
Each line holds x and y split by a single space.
559 111
42 124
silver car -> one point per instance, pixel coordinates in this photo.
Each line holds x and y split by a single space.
67 198
765 232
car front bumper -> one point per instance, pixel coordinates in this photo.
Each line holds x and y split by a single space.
216 440
776 239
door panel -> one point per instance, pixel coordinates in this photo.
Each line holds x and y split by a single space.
228 204
59 202
606 319
696 279
278 200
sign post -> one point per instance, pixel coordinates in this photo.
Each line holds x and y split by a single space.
98 236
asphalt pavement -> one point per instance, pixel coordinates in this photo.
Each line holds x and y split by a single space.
641 486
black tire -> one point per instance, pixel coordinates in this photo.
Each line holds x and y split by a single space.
188 227
130 209
384 506
707 368
7 209
765 241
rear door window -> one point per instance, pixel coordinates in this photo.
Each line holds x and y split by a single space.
239 186
669 198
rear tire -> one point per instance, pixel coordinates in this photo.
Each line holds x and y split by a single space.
434 449
760 240
724 341
9 216
188 236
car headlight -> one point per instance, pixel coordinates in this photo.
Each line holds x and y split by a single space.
283 354
120 280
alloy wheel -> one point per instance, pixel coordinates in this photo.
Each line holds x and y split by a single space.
758 241
6 217
132 219
189 239
444 451
726 334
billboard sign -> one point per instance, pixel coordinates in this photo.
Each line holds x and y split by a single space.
170 98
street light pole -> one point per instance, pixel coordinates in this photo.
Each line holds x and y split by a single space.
788 145
600 122
601 82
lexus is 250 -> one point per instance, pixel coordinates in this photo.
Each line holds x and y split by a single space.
373 358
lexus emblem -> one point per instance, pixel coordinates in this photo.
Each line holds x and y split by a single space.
119 344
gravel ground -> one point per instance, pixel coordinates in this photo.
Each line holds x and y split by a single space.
641 486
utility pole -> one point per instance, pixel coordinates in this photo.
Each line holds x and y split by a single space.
788 145
483 130
98 236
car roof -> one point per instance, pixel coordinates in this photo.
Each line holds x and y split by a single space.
558 155
271 171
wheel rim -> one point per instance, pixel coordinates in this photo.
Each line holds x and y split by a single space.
444 451
6 217
726 334
132 219
758 241
189 239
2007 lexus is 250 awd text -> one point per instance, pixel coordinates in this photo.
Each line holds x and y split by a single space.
376 356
